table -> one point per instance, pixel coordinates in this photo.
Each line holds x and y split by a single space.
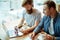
20 38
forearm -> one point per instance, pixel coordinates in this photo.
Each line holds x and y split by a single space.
30 29
37 29
34 26
20 23
40 26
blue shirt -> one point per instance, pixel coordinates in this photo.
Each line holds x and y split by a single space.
45 23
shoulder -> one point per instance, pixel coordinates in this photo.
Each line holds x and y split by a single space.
45 17
23 11
58 15
37 12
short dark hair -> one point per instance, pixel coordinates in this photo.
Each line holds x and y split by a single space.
27 2
50 4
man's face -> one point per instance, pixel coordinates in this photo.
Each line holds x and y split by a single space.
46 10
28 6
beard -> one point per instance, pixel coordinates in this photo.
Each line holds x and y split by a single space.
30 11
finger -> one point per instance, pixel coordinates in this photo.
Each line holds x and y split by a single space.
31 35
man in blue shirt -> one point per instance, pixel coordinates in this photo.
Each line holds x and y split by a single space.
50 22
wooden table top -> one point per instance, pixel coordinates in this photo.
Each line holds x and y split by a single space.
20 37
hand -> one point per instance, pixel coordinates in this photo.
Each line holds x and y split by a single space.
49 37
32 35
24 31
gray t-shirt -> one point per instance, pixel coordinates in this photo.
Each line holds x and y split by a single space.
31 18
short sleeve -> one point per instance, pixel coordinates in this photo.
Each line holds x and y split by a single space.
21 13
38 17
